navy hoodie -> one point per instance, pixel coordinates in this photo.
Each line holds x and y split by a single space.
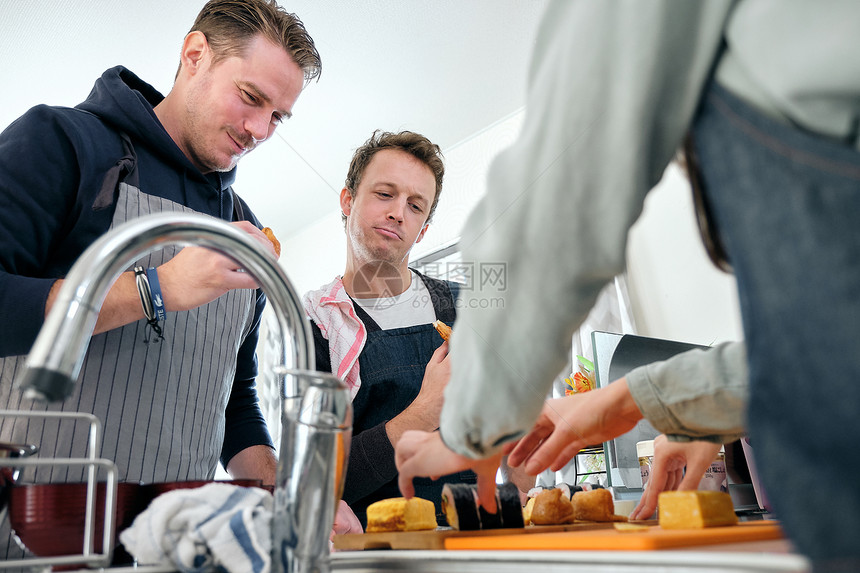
53 161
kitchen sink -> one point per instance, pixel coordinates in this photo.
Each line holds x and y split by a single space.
565 561
428 561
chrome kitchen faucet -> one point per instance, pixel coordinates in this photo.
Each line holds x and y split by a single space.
316 414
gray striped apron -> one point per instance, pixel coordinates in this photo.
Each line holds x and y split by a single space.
162 404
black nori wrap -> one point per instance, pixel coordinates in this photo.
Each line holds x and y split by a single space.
510 508
462 498
490 520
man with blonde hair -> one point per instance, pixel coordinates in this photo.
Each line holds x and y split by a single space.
175 391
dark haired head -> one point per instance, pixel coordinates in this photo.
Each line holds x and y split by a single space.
412 143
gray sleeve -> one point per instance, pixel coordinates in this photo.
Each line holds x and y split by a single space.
700 394
613 87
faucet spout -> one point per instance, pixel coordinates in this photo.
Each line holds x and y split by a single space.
315 412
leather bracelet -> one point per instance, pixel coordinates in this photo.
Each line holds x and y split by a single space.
147 302
145 293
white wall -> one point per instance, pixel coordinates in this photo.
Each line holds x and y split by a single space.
465 182
312 257
675 291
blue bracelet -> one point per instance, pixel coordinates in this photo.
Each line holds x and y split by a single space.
155 293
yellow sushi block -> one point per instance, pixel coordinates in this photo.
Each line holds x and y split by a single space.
401 514
695 509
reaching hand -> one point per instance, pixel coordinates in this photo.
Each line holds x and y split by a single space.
436 376
196 275
667 471
566 425
345 521
423 454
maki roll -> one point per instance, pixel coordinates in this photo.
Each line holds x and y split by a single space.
461 507
533 492
459 503
490 520
510 508
566 490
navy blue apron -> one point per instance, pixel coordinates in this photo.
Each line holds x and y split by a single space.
392 367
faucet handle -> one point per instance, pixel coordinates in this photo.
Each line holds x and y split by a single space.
314 398
325 402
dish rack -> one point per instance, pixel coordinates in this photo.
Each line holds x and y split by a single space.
595 467
88 556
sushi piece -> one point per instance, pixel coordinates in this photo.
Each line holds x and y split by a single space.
569 490
490 520
510 508
459 503
695 509
401 514
461 507
527 511
551 508
594 505
533 492
566 490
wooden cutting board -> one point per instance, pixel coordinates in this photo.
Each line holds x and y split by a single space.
435 539
651 538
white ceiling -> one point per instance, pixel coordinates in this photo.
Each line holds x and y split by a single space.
445 68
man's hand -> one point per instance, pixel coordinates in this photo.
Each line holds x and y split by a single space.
345 521
566 425
436 376
423 413
667 471
196 275
423 454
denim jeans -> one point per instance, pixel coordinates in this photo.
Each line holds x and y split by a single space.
787 207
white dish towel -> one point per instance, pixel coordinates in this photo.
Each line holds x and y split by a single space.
211 528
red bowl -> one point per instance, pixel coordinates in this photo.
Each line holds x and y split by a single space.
49 518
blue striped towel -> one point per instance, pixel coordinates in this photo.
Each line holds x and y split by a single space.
217 527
